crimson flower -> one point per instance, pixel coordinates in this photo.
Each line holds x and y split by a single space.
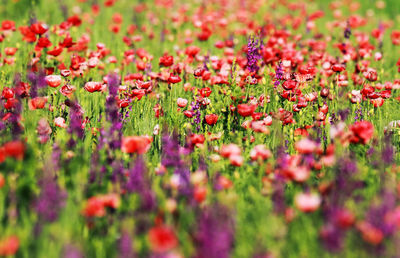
162 239
362 132
211 119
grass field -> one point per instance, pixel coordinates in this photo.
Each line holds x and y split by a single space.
220 128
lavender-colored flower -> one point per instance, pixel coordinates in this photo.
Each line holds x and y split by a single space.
75 123
370 152
111 136
139 183
136 180
56 157
377 213
333 119
253 53
278 195
343 114
184 180
16 128
114 134
278 74
117 169
206 61
197 114
347 31
388 151
332 237
125 247
344 185
75 115
202 164
388 155
52 198
217 185
215 235
170 156
359 115
38 81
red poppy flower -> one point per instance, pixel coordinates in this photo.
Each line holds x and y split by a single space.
53 80
199 72
3 155
197 138
65 73
94 208
211 119
230 150
111 200
370 233
305 146
246 109
206 75
67 90
395 36
8 25
260 152
9 246
10 103
204 34
200 194
345 218
39 28
117 18
166 60
181 102
123 103
10 51
188 113
37 103
236 160
338 68
362 132
205 92
136 144
371 75
162 239
44 42
192 51
289 85
74 20
15 149
7 93
28 34
67 42
93 86
2 179
307 202
55 52
174 79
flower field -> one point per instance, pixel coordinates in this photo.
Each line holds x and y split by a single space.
218 128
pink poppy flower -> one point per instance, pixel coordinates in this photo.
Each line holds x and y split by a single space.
307 202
